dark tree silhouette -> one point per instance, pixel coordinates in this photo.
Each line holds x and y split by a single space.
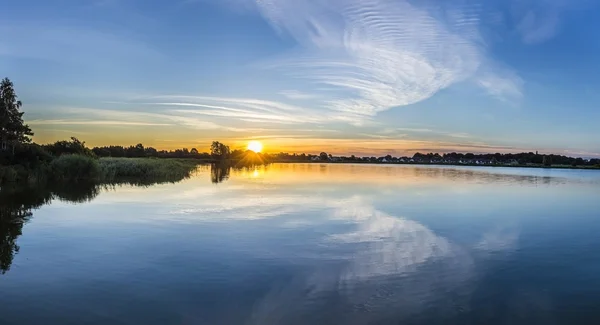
13 131
73 147
219 150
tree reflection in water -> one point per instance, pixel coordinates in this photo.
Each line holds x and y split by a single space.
18 202
220 172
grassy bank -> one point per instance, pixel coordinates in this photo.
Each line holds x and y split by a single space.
114 169
80 168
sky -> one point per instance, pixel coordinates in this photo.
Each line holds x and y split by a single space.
363 77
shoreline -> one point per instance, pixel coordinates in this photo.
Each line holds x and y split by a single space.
434 164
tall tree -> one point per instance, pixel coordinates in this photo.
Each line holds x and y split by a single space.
219 150
13 130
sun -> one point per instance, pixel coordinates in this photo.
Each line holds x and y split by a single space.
255 146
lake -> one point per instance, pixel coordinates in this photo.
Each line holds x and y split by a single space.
308 244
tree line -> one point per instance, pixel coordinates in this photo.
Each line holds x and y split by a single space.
525 158
217 151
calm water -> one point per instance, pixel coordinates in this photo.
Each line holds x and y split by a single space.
309 244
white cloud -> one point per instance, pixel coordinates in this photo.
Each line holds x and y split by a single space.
243 109
380 54
93 122
105 116
294 94
539 20
394 132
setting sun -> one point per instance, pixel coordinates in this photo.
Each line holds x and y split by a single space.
255 146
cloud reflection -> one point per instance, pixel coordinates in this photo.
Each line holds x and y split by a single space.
386 268
388 245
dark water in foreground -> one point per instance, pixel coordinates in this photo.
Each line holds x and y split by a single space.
309 244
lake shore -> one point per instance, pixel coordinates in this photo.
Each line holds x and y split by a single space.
439 164
77 168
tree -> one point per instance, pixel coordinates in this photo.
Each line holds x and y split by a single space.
13 130
547 161
578 162
324 156
219 150
73 147
194 151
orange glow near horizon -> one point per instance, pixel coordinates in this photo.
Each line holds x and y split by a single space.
179 138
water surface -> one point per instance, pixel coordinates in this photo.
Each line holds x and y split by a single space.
308 244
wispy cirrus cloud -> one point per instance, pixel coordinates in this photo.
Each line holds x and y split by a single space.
132 118
168 116
295 94
374 55
539 20
242 109
94 122
402 131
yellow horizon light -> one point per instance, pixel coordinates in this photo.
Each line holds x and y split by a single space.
255 146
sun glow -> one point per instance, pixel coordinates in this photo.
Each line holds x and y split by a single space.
255 146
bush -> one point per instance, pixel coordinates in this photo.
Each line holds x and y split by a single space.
74 168
8 174
28 155
145 168
73 147
14 173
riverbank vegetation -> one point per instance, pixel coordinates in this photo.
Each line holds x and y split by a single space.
79 168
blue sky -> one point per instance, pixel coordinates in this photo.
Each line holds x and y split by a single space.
345 76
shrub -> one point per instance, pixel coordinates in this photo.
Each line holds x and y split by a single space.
145 168
73 147
7 174
74 168
28 155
